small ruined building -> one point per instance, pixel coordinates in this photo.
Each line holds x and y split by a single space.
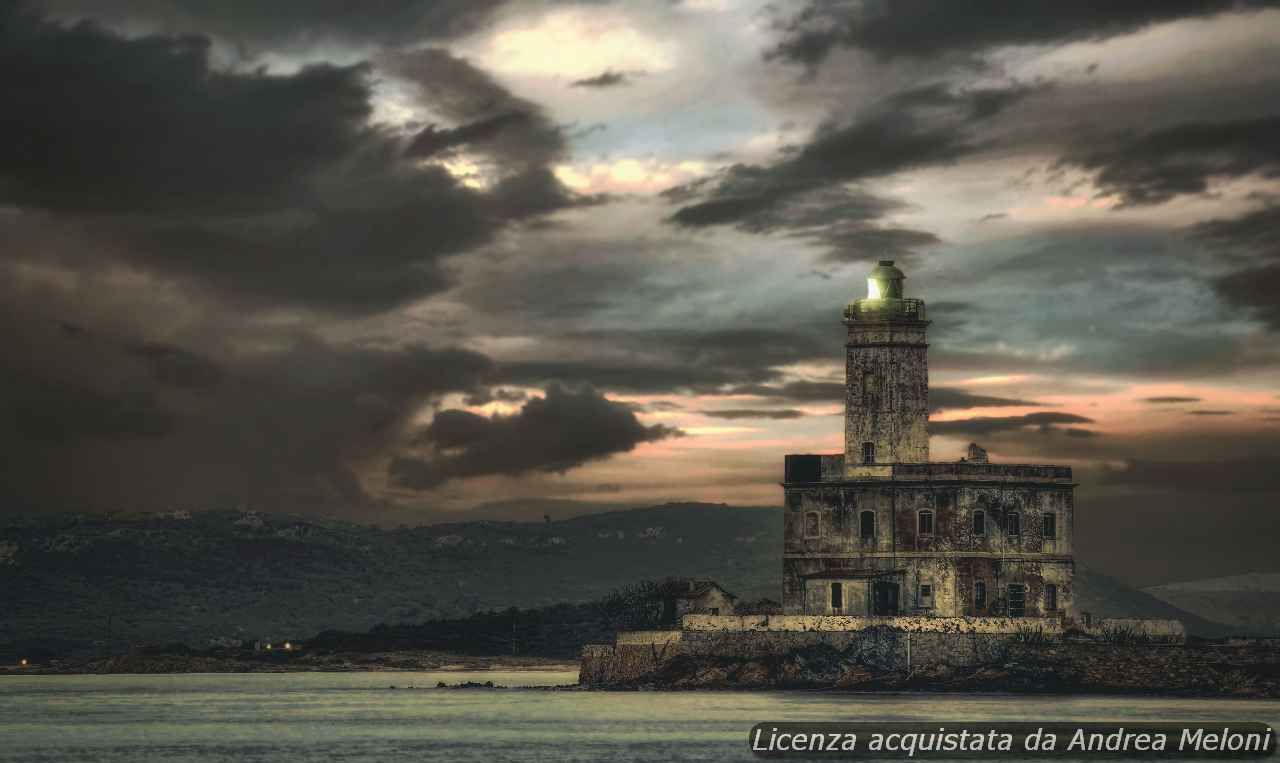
682 597
881 530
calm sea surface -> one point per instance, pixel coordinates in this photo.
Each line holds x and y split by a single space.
358 717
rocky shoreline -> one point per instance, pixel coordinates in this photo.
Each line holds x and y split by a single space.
1251 671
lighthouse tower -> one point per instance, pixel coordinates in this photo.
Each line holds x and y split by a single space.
886 416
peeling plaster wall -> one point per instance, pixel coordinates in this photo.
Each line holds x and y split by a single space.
951 559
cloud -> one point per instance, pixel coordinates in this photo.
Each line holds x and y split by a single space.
1156 166
108 124
607 78
734 414
1210 413
1170 399
149 408
806 192
669 360
1253 290
266 190
1045 422
554 433
930 28
952 398
294 23
1253 234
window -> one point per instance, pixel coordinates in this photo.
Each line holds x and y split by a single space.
1050 598
811 525
837 597
1049 525
868 452
715 610
926 522
1017 600
867 525
870 389
926 595
979 595
1013 523
979 522
793 501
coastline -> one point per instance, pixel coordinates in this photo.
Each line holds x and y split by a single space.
381 662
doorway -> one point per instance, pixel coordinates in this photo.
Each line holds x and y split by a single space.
884 598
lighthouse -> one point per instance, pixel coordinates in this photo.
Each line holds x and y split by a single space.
880 530
886 417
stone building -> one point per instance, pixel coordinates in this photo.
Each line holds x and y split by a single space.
881 530
682 597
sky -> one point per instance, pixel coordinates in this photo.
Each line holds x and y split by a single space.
392 266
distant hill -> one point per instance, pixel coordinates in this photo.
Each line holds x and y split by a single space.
64 579
227 574
1249 603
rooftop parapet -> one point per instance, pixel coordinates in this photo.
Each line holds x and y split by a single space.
806 469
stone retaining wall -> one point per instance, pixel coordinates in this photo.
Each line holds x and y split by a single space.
882 644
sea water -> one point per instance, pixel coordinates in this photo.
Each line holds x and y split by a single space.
361 717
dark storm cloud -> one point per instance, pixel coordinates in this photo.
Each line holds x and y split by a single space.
295 22
952 398
560 431
176 366
940 398
496 394
670 360
803 194
1170 399
1253 290
116 416
65 413
608 78
511 129
733 414
99 123
1210 413
1256 233
264 190
1044 421
432 140
1156 166
797 391
928 28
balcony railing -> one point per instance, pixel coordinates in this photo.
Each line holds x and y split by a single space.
885 309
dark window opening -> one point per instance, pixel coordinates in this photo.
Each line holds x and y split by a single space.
1013 523
867 525
926 596
1050 525
979 523
870 390
811 525
926 522
868 453
715 610
837 597
979 595
1017 600
793 501
1051 598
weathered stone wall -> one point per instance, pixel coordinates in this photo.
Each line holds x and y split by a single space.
1026 537
816 623
878 644
887 392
